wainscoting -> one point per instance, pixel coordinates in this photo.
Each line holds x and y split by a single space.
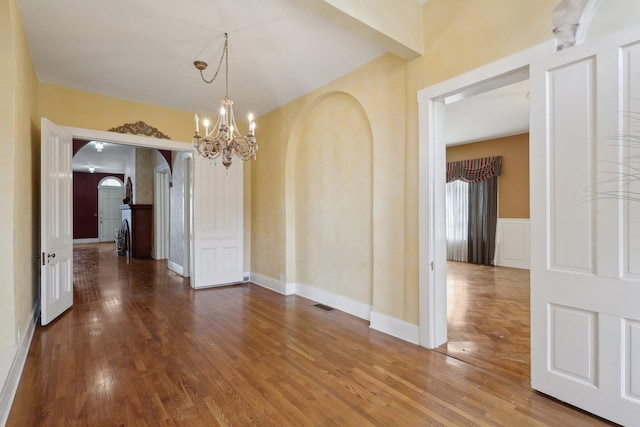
513 243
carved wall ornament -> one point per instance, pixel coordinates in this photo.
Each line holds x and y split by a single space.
571 19
140 128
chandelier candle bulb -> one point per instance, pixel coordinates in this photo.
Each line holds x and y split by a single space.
197 119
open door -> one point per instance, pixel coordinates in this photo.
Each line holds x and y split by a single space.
218 226
585 227
56 234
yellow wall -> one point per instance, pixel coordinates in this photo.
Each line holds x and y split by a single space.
458 36
19 175
78 108
513 184
373 89
333 200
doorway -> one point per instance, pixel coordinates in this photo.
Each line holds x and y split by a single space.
114 148
432 104
110 195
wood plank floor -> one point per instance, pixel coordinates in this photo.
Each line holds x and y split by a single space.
139 347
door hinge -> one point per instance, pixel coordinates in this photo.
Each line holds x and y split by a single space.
431 265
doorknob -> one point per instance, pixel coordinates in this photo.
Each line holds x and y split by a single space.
53 255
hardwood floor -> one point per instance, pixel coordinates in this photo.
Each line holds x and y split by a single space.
139 347
488 318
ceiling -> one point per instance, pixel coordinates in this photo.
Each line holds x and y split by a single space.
144 50
111 160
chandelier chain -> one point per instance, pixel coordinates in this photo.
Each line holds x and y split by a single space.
225 55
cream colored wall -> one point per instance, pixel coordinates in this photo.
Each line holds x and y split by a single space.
458 36
333 200
19 173
282 133
77 108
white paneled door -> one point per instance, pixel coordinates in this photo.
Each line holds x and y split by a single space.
109 213
585 227
56 234
218 231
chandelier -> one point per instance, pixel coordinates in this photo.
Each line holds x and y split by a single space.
223 138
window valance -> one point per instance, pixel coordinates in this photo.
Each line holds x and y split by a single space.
474 170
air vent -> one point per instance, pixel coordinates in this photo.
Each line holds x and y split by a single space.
324 307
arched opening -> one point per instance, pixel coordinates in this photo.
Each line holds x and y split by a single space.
329 185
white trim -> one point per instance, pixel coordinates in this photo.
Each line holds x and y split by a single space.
513 243
395 327
380 322
272 284
175 267
355 308
89 240
20 352
431 159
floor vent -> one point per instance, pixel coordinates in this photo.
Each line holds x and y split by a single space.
324 307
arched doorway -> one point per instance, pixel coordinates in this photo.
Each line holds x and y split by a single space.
110 195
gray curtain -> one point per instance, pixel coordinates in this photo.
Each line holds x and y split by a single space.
483 217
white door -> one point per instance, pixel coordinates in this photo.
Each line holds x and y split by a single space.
109 213
56 234
218 223
585 227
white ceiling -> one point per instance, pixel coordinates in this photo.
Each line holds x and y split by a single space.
110 160
494 114
144 50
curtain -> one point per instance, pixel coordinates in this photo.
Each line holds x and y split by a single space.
457 221
483 216
479 213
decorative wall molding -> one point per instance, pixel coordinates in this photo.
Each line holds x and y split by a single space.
513 243
19 353
140 128
571 19
395 327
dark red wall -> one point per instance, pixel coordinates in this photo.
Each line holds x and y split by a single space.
85 203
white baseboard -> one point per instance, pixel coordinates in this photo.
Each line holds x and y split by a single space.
273 284
339 302
91 240
380 322
20 352
177 268
395 327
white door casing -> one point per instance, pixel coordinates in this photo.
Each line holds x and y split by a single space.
56 219
218 223
585 231
161 211
109 213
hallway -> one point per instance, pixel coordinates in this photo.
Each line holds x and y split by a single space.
139 347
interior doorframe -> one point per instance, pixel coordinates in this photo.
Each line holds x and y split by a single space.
431 178
161 211
139 141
